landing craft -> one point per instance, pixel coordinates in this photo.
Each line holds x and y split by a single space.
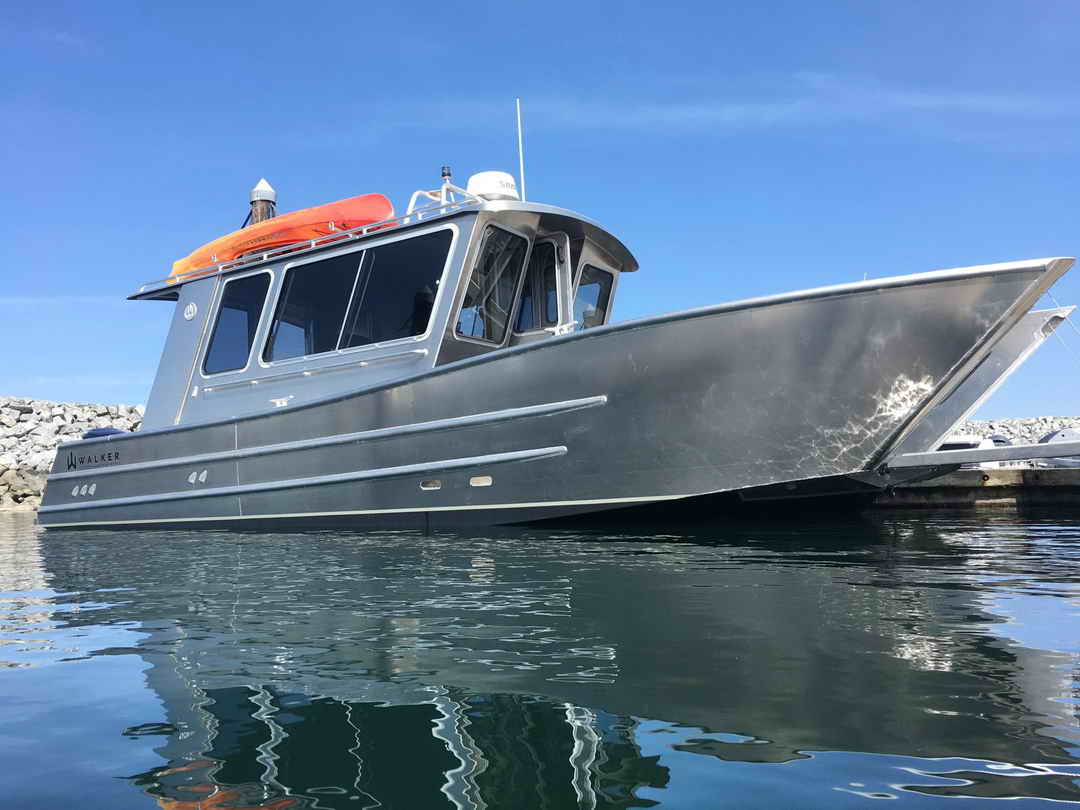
458 365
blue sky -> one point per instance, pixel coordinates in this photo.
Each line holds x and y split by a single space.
738 149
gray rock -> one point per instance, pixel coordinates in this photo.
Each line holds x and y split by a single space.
44 431
21 429
31 430
1021 431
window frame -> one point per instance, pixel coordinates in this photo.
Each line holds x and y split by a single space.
557 241
596 265
360 251
466 277
213 322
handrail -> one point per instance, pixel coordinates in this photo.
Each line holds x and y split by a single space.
442 196
412 354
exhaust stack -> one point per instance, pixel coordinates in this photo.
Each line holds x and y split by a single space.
263 202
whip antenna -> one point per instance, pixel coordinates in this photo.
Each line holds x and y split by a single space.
521 151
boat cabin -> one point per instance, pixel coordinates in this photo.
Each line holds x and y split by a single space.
470 273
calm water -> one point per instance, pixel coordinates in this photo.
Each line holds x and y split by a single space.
912 659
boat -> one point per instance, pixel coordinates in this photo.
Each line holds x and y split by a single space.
970 441
1071 435
458 364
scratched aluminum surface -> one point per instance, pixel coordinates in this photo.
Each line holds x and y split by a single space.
708 401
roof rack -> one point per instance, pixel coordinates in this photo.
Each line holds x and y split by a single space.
443 204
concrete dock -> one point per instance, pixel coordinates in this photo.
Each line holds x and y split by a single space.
1009 488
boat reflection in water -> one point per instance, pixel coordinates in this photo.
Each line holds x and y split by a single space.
457 751
780 665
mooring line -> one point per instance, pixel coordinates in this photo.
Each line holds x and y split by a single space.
1068 348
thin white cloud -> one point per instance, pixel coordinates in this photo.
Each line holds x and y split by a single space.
858 95
803 101
65 38
31 301
76 380
76 388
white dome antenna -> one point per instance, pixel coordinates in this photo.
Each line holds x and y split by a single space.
493 186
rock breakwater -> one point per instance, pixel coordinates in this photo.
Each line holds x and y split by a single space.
1020 431
30 430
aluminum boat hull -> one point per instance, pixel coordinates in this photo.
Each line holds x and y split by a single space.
764 393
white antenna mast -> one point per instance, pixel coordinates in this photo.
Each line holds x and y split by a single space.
521 151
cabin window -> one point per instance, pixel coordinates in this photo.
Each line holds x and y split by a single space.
311 307
489 296
396 291
540 294
593 297
381 294
237 319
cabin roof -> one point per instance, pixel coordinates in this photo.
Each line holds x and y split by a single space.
167 288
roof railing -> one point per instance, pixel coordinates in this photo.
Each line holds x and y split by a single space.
442 196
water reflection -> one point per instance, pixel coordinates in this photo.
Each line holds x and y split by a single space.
824 665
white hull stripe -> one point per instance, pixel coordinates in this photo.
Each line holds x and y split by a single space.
318 480
413 509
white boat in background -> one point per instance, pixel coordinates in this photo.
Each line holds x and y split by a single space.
970 441
1065 435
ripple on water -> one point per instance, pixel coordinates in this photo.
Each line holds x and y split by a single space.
911 659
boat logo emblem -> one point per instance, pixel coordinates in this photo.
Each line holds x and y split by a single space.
108 457
190 310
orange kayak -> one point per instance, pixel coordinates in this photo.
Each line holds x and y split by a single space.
297 226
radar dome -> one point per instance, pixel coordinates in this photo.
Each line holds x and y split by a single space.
493 186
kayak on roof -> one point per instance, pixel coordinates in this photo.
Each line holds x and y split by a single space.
286 229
